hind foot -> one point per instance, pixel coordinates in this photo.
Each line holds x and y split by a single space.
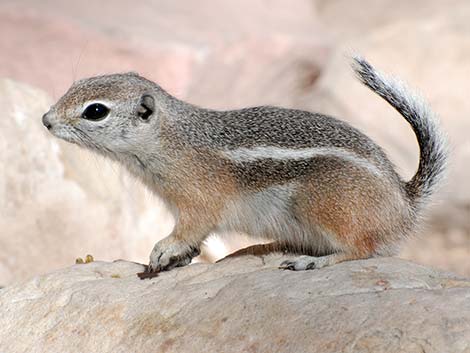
305 262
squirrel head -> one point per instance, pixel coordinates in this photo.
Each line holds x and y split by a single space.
114 114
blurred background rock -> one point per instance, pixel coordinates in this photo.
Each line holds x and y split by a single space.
58 202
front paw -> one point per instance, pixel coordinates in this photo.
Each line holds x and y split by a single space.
169 253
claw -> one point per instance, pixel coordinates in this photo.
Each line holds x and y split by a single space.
311 266
287 265
302 263
152 269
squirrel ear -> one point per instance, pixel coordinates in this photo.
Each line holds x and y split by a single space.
146 107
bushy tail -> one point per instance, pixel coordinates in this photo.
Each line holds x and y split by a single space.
432 144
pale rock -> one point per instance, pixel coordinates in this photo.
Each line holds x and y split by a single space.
243 304
350 20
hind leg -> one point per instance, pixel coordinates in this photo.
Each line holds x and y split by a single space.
259 250
354 210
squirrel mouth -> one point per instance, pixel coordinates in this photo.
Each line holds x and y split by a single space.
67 133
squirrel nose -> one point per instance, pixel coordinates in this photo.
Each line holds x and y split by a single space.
46 122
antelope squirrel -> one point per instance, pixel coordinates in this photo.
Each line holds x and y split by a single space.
311 183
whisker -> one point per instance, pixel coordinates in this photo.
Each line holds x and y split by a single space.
75 68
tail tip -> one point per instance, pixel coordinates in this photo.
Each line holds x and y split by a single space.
361 66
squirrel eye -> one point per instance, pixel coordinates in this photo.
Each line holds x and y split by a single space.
95 111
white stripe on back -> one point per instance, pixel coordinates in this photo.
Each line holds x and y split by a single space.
279 153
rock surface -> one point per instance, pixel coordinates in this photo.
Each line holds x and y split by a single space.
242 304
